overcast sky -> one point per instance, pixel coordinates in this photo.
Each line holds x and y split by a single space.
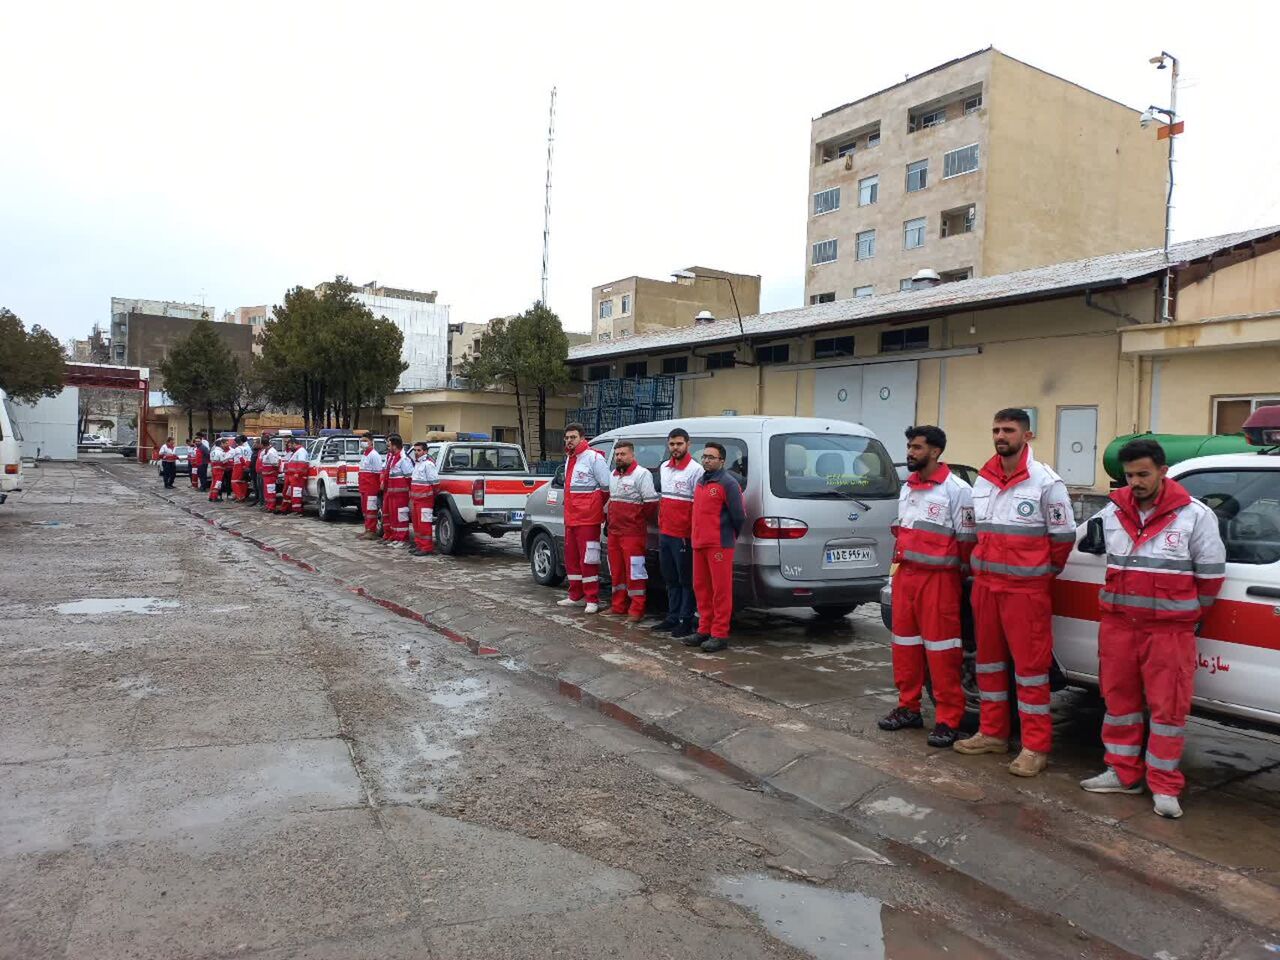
228 151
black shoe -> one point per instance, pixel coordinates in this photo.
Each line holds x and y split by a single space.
900 718
695 639
943 736
682 630
662 626
714 644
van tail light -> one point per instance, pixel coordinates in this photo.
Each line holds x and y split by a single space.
342 474
477 492
313 472
779 528
11 468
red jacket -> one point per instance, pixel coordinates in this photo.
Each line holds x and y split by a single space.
586 487
718 516
1168 567
679 480
633 502
935 528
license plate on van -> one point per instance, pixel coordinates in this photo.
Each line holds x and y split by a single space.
848 556
516 516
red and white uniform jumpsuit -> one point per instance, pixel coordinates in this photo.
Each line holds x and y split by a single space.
633 503
1164 570
1026 530
239 465
195 456
269 470
935 536
369 481
718 518
586 486
395 501
217 467
422 503
295 480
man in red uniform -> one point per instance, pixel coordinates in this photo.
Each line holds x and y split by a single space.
219 464
240 454
269 470
586 488
168 457
679 477
295 478
718 518
1165 565
1026 529
422 502
935 536
395 501
369 481
194 454
633 504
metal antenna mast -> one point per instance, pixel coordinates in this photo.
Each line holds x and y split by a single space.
546 209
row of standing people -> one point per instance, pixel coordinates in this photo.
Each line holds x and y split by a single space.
1012 533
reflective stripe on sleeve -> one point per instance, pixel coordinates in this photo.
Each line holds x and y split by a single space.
1151 603
1211 569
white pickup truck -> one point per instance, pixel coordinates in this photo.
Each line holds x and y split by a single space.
484 486
1238 656
333 477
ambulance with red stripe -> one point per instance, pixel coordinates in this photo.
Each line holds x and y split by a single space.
1238 657
333 473
484 486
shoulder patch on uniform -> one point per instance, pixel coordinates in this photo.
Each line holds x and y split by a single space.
966 517
1057 515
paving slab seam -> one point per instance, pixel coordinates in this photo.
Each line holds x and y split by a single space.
707 757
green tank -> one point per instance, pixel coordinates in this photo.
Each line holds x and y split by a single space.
1177 447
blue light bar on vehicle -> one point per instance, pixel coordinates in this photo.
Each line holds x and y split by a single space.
473 436
335 432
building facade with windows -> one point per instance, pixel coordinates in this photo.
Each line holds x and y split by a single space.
980 166
638 305
1078 344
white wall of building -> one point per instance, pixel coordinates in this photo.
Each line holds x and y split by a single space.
426 337
48 427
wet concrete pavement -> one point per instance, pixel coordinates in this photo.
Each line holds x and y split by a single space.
420 729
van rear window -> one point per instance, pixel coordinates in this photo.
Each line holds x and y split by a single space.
830 466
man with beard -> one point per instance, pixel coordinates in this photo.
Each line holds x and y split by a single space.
586 490
935 535
1026 529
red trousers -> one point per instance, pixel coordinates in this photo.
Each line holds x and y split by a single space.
395 510
422 514
370 486
628 573
269 477
1017 624
195 474
1152 665
582 560
239 485
926 630
215 488
713 588
295 479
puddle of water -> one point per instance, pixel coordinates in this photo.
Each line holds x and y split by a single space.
145 605
51 523
459 694
834 925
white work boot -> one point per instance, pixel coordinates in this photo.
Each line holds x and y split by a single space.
592 608
1108 782
1168 806
570 602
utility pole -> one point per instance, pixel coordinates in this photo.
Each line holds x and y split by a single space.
546 209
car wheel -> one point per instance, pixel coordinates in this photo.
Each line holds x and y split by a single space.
324 509
542 561
448 532
834 611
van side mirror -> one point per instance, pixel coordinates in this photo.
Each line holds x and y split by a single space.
1095 539
558 480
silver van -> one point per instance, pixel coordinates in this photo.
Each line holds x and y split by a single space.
819 496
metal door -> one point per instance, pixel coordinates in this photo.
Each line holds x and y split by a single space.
837 393
889 402
1077 445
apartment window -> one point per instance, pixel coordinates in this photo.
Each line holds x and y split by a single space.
605 310
913 233
906 284
824 251
868 190
829 347
1230 413
933 118
435 428
822 298
638 368
721 360
826 201
864 291
598 373
964 160
675 365
866 244
911 338
873 140
973 105
626 304
846 148
505 434
959 220
773 353
917 175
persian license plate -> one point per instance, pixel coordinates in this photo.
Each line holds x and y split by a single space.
841 556
516 516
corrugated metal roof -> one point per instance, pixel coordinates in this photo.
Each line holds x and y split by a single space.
1039 283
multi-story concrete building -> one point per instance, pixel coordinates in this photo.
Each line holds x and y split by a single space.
255 317
980 166
122 307
144 331
638 305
